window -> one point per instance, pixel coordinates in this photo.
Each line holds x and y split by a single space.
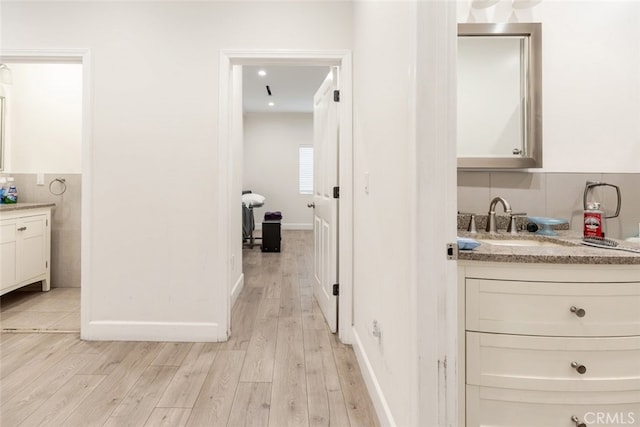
305 176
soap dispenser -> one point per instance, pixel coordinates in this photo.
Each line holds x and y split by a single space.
11 194
3 188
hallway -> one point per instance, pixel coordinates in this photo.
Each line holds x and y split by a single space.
282 367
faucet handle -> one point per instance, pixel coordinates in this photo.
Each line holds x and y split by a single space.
513 227
472 228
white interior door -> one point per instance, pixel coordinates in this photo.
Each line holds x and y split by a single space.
325 215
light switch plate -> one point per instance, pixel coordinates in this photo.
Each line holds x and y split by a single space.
40 179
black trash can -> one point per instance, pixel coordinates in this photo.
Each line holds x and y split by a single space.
271 235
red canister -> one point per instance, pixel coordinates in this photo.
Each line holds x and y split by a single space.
593 221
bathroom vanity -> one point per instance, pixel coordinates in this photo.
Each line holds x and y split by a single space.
549 335
25 245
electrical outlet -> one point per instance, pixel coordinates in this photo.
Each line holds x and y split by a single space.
375 331
366 183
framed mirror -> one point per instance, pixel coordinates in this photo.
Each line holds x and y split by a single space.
499 96
2 109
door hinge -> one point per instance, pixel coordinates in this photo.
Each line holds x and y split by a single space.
336 192
452 251
46 223
336 289
336 95
46 264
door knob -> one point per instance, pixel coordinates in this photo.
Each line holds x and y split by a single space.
311 205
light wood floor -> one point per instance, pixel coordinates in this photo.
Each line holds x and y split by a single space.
282 367
31 310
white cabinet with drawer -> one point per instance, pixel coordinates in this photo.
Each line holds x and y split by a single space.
25 248
497 407
550 345
553 363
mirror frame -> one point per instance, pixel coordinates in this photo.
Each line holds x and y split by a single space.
2 123
532 157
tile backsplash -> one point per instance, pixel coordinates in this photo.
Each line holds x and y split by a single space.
557 195
65 222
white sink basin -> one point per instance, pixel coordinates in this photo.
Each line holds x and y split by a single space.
518 242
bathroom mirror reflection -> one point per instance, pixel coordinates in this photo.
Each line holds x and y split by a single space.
499 96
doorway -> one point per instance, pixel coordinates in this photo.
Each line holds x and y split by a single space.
49 88
230 157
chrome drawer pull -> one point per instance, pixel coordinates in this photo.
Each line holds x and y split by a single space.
578 367
578 311
22 228
577 421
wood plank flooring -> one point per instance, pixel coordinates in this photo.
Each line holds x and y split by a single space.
281 367
29 309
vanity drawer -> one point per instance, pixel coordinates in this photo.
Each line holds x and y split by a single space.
545 363
545 308
486 406
7 231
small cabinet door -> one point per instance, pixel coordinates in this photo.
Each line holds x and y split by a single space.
8 276
31 247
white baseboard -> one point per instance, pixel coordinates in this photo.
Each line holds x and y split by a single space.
287 226
373 387
237 288
290 226
106 330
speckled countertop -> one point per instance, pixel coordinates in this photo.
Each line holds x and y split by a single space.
20 206
568 250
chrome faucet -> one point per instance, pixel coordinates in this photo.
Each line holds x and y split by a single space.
491 222
512 228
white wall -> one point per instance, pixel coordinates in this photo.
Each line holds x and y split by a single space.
383 281
404 132
44 118
591 80
153 264
271 142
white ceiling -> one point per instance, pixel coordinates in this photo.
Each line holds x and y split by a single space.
292 88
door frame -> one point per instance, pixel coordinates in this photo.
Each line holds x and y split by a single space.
228 132
80 56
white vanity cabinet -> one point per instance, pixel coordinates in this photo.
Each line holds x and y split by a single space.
25 248
549 345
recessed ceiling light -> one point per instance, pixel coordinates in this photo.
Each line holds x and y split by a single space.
262 73
271 104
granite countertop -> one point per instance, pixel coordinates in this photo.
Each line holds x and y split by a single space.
21 206
568 250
